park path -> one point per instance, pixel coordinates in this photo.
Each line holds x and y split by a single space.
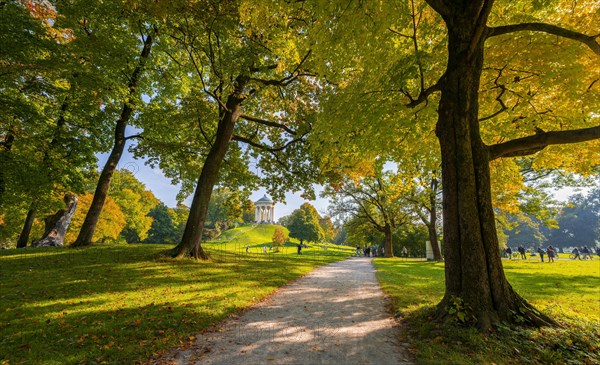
334 315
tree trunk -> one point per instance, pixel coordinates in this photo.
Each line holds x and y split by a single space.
389 249
431 227
88 227
9 138
26 231
190 244
57 224
474 273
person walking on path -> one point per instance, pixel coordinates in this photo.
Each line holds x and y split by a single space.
521 250
586 253
509 253
541 252
551 253
299 246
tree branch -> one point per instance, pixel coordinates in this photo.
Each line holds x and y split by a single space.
266 148
423 95
532 144
140 136
268 123
590 41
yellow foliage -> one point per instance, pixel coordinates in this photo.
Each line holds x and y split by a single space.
507 182
111 222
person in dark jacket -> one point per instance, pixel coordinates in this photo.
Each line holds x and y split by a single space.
541 252
551 253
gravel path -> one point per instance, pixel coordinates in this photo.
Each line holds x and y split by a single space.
334 315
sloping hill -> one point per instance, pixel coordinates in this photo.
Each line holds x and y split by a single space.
254 235
257 236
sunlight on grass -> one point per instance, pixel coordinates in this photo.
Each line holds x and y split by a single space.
567 290
122 304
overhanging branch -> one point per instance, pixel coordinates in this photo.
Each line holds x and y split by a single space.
264 147
532 144
590 41
268 123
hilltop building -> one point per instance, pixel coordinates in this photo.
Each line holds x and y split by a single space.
265 211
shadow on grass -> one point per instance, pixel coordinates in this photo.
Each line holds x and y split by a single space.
416 288
120 304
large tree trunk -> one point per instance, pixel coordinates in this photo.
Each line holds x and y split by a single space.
88 227
389 248
474 273
190 244
26 231
57 224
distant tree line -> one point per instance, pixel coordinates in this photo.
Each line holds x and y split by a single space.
577 223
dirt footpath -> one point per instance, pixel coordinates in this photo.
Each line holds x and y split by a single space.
334 315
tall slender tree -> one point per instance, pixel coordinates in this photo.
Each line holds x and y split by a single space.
248 99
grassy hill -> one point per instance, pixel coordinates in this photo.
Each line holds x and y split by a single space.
121 304
259 235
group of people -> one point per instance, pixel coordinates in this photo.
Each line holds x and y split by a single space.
577 253
370 251
584 253
550 252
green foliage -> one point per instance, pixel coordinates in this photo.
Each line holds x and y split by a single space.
131 304
304 224
565 289
413 237
167 224
213 45
135 202
329 230
227 209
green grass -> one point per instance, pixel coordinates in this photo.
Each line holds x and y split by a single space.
255 237
122 304
567 290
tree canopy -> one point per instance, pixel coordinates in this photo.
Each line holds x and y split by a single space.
304 225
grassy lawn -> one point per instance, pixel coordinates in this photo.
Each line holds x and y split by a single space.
567 290
122 304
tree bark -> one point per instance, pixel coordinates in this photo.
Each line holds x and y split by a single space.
190 244
57 224
7 144
431 227
88 227
474 273
389 248
26 231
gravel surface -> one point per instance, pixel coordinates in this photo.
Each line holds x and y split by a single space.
334 315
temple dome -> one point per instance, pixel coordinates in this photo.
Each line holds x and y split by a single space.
264 199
